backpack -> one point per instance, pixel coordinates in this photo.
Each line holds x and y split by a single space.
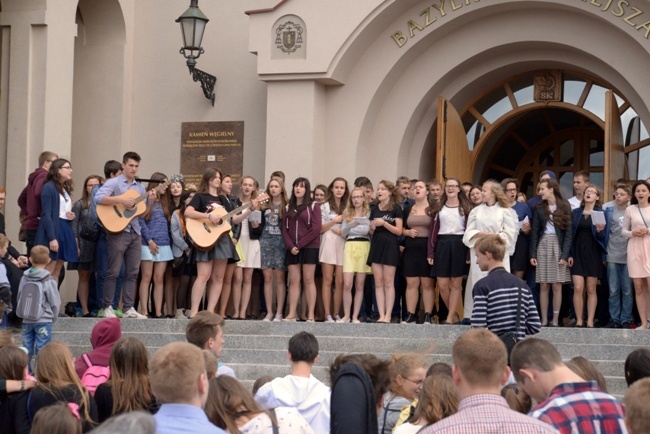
94 375
88 227
92 210
30 301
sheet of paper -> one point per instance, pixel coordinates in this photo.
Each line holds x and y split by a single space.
598 217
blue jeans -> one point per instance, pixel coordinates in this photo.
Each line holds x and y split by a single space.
620 289
96 298
35 336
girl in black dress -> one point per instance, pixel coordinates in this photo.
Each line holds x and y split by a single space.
588 248
385 225
415 267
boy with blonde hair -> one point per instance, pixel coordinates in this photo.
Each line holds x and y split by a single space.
38 302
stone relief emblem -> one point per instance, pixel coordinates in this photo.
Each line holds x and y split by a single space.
289 37
548 86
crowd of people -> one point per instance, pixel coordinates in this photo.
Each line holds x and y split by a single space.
118 387
404 252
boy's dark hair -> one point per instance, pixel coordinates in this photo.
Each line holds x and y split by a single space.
130 156
111 167
362 181
303 347
637 365
439 368
202 327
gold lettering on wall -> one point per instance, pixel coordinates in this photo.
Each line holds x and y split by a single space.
426 18
622 9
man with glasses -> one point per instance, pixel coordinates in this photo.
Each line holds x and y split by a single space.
29 200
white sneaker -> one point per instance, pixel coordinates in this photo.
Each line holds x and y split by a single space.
278 317
328 318
132 313
180 314
268 317
109 312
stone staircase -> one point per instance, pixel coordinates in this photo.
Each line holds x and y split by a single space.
257 348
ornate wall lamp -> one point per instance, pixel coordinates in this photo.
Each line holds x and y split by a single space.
193 23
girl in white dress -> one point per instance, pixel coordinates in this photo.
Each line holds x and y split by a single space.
493 216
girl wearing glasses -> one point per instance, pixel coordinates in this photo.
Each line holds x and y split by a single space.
446 251
588 248
54 229
356 229
415 267
407 378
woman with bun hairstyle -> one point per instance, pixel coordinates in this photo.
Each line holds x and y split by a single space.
550 246
301 227
332 245
446 251
54 228
587 253
635 227
415 266
385 226
356 230
407 373
493 216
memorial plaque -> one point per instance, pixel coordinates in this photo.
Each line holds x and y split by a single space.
212 144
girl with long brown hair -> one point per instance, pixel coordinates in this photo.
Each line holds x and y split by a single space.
272 248
84 219
437 400
301 234
128 389
550 247
185 270
446 251
231 406
211 264
493 216
356 230
588 248
58 382
54 228
332 245
383 258
156 248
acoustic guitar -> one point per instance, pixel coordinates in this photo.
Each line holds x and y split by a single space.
205 234
117 217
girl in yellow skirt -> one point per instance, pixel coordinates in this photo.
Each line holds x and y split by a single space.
356 228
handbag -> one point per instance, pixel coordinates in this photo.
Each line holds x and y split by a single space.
510 339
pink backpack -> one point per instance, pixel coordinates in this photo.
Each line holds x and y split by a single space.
94 375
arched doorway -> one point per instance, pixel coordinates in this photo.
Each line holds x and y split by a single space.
587 126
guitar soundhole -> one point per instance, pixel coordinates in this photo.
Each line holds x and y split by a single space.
117 211
207 228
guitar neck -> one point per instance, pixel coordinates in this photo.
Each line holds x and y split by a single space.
236 211
144 196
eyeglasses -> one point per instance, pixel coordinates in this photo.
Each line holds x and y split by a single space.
511 190
417 383
357 197
591 192
66 167
451 187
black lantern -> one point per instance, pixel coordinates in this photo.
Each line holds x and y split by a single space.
193 23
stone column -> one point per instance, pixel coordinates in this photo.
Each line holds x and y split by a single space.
35 88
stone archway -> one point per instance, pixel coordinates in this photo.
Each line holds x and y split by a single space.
99 86
375 102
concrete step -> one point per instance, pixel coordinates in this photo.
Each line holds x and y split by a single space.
257 348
